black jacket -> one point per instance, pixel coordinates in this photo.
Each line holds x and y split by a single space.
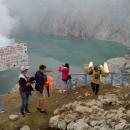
40 78
22 84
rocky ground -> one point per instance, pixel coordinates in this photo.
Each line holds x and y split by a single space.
75 109
107 112
119 63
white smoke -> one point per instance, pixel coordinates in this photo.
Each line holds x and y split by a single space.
4 41
100 19
6 25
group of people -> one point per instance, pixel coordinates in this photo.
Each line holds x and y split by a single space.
40 78
94 71
25 88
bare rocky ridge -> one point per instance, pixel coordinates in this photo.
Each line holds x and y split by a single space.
120 64
91 115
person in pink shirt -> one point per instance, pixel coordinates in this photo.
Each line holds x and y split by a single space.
64 69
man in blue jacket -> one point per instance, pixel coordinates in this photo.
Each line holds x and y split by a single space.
40 78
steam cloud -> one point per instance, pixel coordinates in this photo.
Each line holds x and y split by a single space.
87 19
6 24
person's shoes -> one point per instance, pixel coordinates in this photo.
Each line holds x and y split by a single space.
43 111
22 113
2 111
64 90
39 109
28 112
96 93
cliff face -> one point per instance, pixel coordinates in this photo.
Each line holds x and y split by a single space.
119 64
107 20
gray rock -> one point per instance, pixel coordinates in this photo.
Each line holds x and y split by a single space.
57 111
87 94
70 126
128 113
121 115
91 115
127 127
120 126
109 115
121 120
80 125
54 121
96 128
26 127
91 103
60 91
70 117
93 123
13 117
99 104
68 106
112 124
121 109
105 127
62 124
83 109
108 99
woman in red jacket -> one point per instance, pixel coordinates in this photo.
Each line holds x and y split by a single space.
64 69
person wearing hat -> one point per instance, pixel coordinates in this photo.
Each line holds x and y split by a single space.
23 88
40 79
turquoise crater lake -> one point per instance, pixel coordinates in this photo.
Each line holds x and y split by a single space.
52 51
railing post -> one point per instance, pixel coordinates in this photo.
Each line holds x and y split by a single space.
85 79
112 78
122 79
1 109
129 77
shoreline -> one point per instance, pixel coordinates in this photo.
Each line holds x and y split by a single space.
115 64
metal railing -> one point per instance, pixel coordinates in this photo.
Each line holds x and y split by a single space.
82 79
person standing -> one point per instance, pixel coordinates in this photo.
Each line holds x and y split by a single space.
40 79
23 88
64 69
95 83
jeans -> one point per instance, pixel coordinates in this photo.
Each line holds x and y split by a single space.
24 103
95 88
69 84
